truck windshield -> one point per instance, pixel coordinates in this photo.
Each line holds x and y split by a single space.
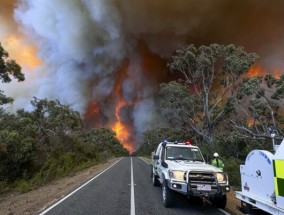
183 153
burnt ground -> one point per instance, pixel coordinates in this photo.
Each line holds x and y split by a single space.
35 201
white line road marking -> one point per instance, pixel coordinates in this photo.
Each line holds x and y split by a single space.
57 203
132 208
144 160
225 212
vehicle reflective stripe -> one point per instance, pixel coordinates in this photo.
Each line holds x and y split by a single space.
276 186
278 166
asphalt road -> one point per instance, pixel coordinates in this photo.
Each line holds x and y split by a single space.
125 188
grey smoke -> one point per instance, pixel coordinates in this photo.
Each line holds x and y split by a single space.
84 43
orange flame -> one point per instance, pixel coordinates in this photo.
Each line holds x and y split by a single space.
254 72
119 127
258 71
261 71
150 64
250 122
277 73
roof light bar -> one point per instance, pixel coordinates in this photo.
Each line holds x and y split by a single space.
187 142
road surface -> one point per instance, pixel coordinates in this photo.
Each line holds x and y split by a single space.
125 188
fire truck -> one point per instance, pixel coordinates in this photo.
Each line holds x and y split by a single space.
262 181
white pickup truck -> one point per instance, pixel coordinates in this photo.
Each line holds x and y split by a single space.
180 167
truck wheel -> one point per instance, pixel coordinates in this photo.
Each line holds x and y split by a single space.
167 195
155 181
220 202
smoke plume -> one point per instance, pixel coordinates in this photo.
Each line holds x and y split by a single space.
95 54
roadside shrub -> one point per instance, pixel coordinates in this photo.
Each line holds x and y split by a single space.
18 159
48 143
3 187
232 167
23 186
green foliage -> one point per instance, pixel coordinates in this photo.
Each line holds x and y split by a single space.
176 103
260 100
25 137
23 186
47 143
58 167
51 118
18 156
249 87
215 104
279 92
237 60
3 187
101 140
8 69
232 167
4 99
206 97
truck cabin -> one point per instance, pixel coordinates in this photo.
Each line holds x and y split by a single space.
179 151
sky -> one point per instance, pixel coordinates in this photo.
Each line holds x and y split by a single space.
106 58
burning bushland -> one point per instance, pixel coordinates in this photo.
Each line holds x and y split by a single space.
107 58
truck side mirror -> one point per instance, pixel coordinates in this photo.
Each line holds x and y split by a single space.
156 157
164 164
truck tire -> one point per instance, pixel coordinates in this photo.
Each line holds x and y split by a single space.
220 202
155 180
167 195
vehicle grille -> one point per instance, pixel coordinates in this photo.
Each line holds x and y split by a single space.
196 178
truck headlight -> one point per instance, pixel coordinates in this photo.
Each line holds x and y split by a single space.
221 177
176 174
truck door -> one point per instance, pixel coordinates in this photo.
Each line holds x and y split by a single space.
159 164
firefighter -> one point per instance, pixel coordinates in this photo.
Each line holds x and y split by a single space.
217 162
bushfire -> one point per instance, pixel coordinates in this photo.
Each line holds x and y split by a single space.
121 129
118 121
23 53
259 70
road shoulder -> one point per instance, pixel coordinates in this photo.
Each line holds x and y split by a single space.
38 200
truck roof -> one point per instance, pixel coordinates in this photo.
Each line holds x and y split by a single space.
179 144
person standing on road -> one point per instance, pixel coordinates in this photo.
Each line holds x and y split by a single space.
217 162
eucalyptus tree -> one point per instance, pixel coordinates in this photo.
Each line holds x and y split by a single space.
51 118
204 98
263 107
8 69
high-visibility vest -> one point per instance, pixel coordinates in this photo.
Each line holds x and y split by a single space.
218 163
